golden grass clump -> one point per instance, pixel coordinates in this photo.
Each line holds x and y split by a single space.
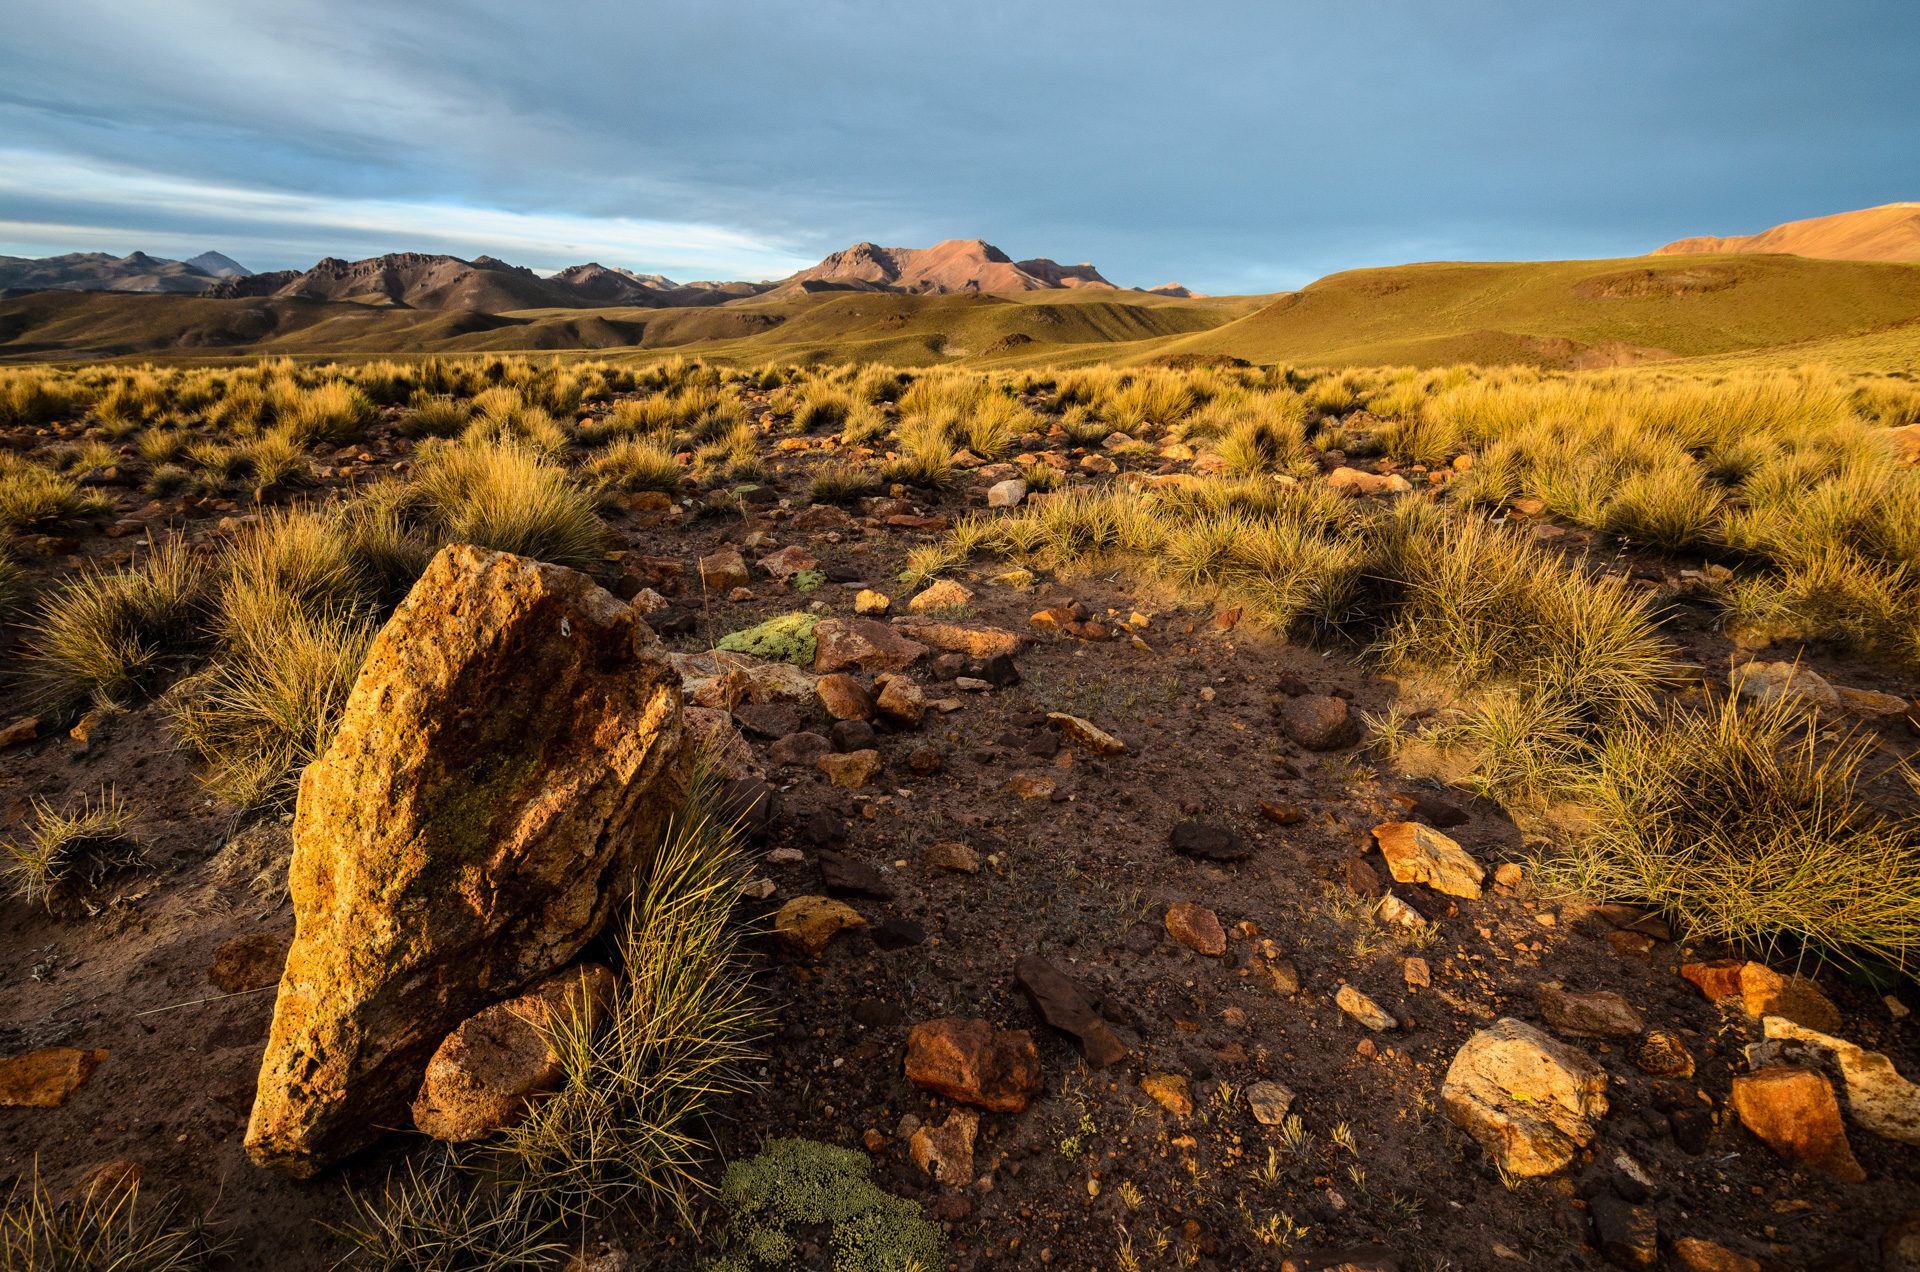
634 464
66 853
509 499
116 636
105 1228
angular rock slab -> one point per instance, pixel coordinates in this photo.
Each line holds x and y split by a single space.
1087 734
1793 1110
1878 1098
1601 1014
971 1062
845 643
1420 854
805 924
946 1151
46 1079
483 1076
1528 1099
1059 1000
504 759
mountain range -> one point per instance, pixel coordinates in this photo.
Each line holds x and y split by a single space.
134 272
1890 232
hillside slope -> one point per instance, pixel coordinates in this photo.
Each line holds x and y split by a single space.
99 271
1567 313
1890 232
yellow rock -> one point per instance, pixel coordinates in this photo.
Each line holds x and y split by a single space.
805 924
1095 739
1170 1089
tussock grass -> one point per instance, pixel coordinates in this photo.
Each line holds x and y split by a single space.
1749 827
840 482
634 464
65 853
509 499
334 414
443 1219
433 416
821 406
33 398
120 635
105 1230
629 1123
32 498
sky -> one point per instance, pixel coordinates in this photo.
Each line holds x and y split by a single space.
1232 147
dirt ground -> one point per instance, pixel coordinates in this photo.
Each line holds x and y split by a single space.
1094 1169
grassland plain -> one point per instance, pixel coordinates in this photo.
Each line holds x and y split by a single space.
1529 594
1549 314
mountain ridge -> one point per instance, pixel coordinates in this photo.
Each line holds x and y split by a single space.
1889 232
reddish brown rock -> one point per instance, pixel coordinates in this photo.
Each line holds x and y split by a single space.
1196 928
844 697
1602 1014
1319 723
1061 1002
901 702
505 755
1662 1053
103 1179
956 857
946 1151
45 1079
1793 1109
482 1078
25 729
1696 1255
863 643
1765 992
803 749
711 730
723 571
819 517
975 642
1717 979
970 1062
249 962
787 562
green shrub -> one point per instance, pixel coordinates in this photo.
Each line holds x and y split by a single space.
802 1182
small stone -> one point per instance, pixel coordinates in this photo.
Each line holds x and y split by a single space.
1013 578
1087 734
485 1073
46 1079
871 602
1282 814
956 857
854 769
1416 973
1170 1090
1269 1102
1663 1053
24 729
802 749
946 1151
723 571
901 703
1508 874
1062 1003
1354 482
1285 977
103 1179
1363 1009
1603 1014
1196 927
1319 723
1793 1109
1878 1099
849 736
970 1062
945 594
1208 843
1628 1236
1029 787
1716 980
767 719
805 924
1528 1099
874 1141
925 760
844 698
1772 682
249 962
741 595
1420 854
1632 945
844 876
1696 1255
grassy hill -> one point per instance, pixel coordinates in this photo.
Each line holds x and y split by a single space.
1555 314
1568 313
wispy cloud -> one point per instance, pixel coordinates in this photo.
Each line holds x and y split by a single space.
109 204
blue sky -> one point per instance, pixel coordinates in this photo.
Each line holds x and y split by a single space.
1232 147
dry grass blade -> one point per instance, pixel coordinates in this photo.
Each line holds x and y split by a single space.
104 1230
67 852
445 1220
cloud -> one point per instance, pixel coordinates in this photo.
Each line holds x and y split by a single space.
107 203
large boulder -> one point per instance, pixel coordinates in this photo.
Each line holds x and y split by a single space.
501 766
1530 1100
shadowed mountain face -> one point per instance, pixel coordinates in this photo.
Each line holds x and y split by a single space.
415 280
98 271
1890 232
957 265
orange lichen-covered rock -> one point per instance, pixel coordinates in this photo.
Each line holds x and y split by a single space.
509 747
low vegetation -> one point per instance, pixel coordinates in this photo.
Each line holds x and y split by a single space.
105 1227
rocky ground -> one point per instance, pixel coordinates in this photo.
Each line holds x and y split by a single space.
1208 909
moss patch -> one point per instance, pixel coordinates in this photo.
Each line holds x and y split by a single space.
801 1181
784 638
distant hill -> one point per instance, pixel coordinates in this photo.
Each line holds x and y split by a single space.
218 264
1890 232
945 269
98 271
